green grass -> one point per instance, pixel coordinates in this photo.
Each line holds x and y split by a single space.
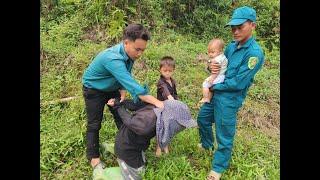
255 156
62 131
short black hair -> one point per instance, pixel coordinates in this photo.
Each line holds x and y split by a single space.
136 31
167 60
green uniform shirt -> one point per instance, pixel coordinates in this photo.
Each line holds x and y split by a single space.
244 63
110 70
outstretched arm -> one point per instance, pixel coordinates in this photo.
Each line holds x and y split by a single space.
152 100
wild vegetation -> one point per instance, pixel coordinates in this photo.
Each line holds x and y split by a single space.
73 31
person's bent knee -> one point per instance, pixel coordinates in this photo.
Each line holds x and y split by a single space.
93 127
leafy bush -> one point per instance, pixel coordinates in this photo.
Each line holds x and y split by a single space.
268 20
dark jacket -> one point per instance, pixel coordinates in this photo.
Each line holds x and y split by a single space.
164 89
139 127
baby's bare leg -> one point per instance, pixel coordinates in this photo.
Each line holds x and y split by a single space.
206 95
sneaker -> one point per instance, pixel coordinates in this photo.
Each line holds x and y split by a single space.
213 175
98 171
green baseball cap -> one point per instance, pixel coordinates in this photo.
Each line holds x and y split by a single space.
241 15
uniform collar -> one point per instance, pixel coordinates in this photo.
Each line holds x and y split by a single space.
123 52
246 44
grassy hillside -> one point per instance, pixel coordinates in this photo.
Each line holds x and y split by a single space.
69 42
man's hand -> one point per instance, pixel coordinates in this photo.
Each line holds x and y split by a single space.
122 95
152 100
214 67
170 97
159 104
111 102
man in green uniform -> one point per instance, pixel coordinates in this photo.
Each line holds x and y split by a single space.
109 76
245 59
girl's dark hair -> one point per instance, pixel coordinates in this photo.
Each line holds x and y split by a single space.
167 60
136 31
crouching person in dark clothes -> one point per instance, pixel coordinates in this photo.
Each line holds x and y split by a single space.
139 126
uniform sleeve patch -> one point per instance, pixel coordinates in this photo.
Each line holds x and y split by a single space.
252 62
